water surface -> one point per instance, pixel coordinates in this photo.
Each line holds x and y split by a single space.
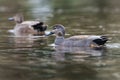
32 58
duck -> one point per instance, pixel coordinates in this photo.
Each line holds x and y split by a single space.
27 27
92 41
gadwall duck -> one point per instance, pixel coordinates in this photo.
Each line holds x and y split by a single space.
27 27
92 41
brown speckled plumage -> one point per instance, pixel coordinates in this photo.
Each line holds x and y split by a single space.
27 27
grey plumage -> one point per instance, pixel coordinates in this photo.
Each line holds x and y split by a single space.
77 41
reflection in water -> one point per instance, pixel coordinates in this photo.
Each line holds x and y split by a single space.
77 53
27 41
103 11
82 17
41 8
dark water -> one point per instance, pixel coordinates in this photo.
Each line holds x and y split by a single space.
28 58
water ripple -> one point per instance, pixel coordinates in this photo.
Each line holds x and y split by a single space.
113 45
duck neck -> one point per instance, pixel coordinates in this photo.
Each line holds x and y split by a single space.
59 40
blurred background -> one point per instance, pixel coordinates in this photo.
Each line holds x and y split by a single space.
33 59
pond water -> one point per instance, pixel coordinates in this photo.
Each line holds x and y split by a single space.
33 58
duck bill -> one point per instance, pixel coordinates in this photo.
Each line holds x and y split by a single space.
51 33
11 19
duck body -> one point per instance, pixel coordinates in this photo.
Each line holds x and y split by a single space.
81 41
78 40
27 27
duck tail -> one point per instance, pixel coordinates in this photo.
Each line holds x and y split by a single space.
40 27
101 41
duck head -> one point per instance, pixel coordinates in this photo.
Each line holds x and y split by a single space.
58 30
18 18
